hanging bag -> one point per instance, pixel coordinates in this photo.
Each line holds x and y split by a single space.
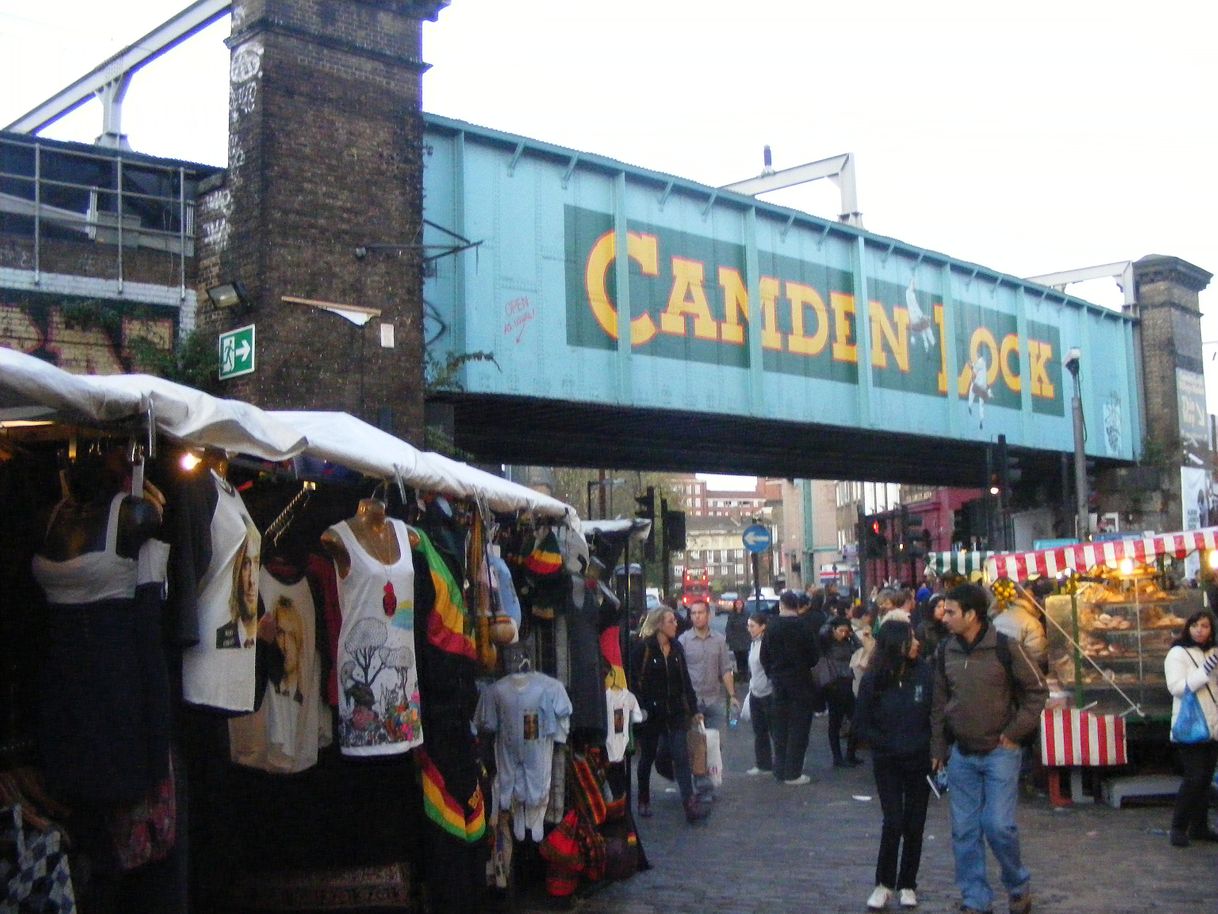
1190 726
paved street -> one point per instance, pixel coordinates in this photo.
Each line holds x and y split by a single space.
772 848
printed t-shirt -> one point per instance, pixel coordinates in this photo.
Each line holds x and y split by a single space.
218 671
623 709
284 734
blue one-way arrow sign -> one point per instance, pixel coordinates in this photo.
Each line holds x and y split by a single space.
756 538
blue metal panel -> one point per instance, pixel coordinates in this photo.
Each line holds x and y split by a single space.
726 305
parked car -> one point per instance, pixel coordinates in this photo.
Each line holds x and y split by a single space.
765 605
653 602
726 599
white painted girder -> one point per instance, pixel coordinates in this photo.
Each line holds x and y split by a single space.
116 71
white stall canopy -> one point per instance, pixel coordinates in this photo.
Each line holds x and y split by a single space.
31 389
345 440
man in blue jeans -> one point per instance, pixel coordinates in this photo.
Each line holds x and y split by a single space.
987 701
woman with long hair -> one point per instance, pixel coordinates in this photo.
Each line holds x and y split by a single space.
893 714
1192 666
663 688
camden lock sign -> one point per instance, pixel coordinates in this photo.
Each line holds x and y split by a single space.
689 300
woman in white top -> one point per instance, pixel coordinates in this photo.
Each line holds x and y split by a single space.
761 694
1192 666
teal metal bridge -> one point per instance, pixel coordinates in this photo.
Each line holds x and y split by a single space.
680 326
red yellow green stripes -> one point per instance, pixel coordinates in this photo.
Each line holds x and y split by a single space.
464 821
446 623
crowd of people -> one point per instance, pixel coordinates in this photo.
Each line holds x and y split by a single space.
943 687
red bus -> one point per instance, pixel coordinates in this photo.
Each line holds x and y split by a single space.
695 586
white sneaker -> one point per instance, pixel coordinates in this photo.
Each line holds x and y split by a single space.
879 898
908 897
796 782
754 771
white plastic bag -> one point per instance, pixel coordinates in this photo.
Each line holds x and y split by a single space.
714 757
746 709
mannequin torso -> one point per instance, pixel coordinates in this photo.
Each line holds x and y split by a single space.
373 533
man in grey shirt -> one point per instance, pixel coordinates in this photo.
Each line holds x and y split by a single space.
712 669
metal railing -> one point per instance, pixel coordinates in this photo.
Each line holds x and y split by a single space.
100 196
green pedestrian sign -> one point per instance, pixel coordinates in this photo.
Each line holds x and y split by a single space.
237 352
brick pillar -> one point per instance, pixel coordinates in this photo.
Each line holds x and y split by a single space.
1172 372
325 160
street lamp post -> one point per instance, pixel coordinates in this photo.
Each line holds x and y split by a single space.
1073 358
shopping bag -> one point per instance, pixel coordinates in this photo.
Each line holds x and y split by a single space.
1189 726
695 738
714 757
746 709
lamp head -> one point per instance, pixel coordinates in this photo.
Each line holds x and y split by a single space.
1072 360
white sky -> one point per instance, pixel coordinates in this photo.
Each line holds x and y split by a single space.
1028 138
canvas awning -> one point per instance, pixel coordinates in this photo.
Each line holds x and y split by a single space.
350 442
963 563
1061 559
31 389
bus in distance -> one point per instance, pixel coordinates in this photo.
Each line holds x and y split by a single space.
695 586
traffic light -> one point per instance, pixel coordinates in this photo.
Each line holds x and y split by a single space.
674 531
874 541
1008 470
647 511
913 536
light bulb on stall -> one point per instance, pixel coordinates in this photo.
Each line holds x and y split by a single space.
1213 559
1126 567
189 461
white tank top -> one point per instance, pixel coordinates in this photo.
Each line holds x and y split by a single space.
90 576
378 692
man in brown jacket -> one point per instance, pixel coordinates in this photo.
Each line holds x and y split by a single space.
987 701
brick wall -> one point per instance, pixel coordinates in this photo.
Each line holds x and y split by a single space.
324 158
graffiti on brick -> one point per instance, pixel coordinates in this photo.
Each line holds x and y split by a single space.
247 63
84 338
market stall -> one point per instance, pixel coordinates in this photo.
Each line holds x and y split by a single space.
1109 632
377 792
963 563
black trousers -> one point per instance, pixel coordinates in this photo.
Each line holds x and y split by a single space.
791 726
841 706
1197 766
762 709
904 792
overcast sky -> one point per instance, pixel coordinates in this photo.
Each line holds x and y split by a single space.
1028 137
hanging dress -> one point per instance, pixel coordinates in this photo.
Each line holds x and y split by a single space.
218 671
104 703
378 691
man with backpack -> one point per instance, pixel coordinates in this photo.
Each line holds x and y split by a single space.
987 702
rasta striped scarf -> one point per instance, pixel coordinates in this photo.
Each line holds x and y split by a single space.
446 623
464 821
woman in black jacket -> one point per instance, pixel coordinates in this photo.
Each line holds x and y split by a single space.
893 715
663 688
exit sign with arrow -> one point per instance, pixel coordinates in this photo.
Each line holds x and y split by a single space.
237 352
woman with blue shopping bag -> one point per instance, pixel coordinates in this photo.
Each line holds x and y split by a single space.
1191 670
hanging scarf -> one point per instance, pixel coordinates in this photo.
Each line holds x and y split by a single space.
465 821
446 624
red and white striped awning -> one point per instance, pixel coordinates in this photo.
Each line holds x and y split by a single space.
1019 566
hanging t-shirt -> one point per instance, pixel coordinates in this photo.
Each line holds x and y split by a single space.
218 671
528 713
378 691
623 710
284 734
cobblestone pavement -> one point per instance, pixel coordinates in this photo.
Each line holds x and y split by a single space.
771 848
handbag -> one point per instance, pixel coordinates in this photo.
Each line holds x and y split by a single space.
823 671
1190 726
